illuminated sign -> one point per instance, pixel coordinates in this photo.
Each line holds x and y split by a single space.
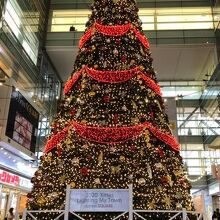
9 178
99 200
15 180
22 121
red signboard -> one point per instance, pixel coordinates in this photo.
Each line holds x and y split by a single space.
9 178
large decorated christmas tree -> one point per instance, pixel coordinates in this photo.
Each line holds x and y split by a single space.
111 129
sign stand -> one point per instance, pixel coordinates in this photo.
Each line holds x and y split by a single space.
130 202
184 214
67 203
24 216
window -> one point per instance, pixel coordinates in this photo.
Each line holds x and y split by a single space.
17 22
152 19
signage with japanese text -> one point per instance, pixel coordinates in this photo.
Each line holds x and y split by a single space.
15 180
6 177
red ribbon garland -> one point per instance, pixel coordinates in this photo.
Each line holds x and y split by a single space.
109 76
109 135
69 84
149 82
165 137
86 36
141 38
55 140
116 30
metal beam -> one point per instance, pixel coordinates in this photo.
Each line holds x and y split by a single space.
217 121
191 114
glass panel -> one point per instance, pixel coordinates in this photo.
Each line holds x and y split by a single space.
11 22
199 122
186 92
184 18
69 20
148 26
198 161
194 171
14 200
15 19
152 19
184 26
4 197
66 28
147 19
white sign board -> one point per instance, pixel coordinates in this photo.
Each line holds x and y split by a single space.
99 200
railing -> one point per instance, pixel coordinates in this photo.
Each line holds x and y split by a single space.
68 38
177 213
129 211
30 214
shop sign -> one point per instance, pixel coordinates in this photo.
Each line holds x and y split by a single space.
26 183
6 177
15 180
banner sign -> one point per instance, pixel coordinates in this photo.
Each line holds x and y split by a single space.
14 180
6 177
99 200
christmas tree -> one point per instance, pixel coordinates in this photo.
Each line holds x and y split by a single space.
111 129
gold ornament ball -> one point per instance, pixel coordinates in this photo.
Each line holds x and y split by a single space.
91 93
141 68
141 181
132 62
122 158
83 121
72 184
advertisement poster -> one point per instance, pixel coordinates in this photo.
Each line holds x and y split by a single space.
22 121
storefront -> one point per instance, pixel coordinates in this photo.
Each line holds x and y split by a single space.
13 191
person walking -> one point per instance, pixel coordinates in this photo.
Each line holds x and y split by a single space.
216 215
10 215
